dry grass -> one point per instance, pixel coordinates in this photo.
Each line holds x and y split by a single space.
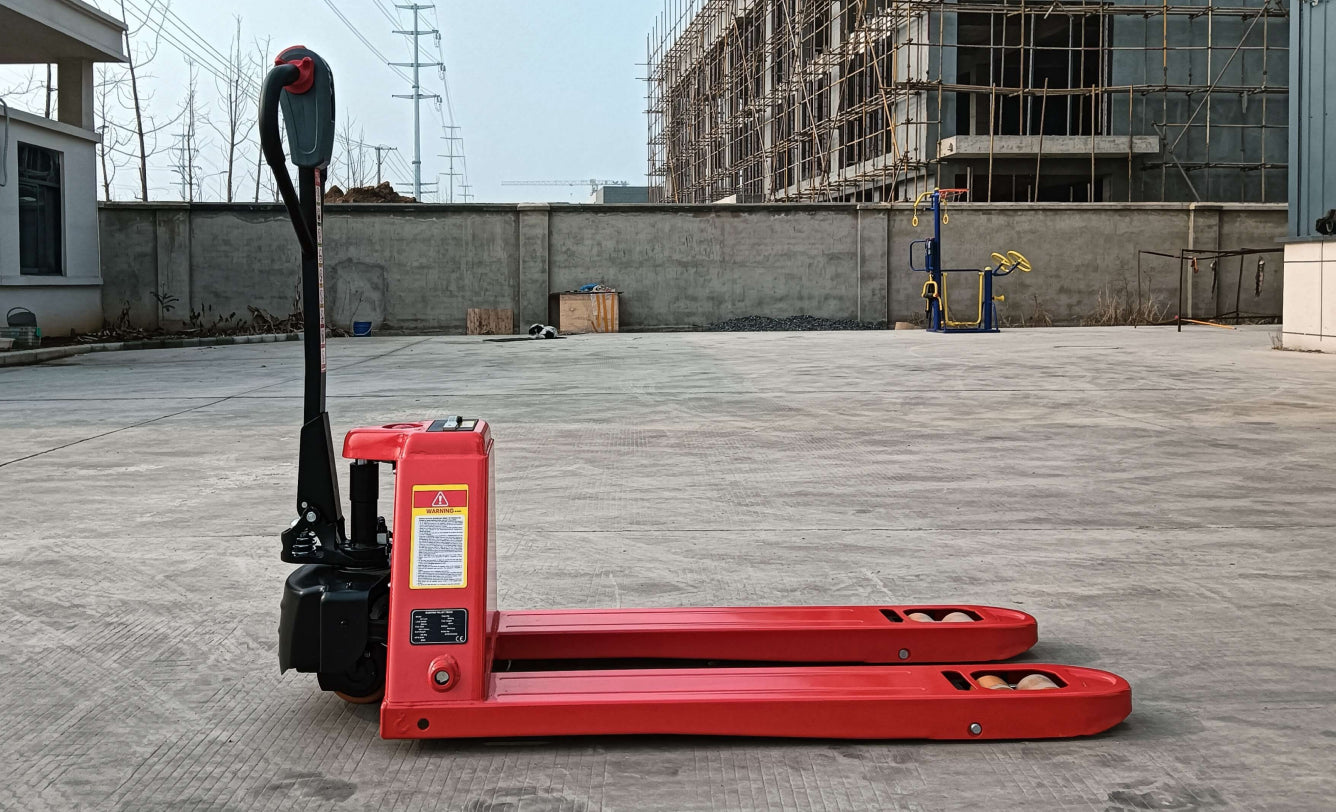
1036 317
1115 309
1278 343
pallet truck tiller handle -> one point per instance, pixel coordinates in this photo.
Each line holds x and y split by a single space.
301 85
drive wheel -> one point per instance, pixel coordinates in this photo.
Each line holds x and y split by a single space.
364 683
369 699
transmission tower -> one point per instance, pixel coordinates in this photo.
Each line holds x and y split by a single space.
417 96
451 154
380 150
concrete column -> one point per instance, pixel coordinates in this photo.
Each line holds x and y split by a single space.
1310 303
172 228
534 282
874 272
1203 234
74 102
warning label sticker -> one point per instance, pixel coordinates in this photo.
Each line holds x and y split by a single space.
440 537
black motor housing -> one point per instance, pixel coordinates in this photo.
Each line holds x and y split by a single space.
331 616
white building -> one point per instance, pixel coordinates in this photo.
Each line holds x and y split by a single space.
1310 251
49 261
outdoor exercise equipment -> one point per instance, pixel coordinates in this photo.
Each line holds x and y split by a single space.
408 613
935 288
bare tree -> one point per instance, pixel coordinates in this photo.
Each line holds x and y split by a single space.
145 129
113 138
236 102
188 140
261 67
23 89
355 161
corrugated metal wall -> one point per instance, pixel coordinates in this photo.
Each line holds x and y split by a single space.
1312 135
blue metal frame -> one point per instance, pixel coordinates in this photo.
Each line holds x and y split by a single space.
932 265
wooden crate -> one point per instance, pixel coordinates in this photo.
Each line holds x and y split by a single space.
575 312
484 322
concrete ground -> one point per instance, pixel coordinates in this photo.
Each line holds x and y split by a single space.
1164 503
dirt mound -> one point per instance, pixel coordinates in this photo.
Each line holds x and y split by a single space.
384 193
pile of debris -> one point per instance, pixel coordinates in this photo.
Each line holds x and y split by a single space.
384 193
758 324
202 324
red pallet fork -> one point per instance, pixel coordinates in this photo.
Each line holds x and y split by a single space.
415 621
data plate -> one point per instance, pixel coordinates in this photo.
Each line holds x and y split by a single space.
440 627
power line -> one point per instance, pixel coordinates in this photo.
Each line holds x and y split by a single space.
370 47
193 46
447 126
195 40
449 104
389 15
185 49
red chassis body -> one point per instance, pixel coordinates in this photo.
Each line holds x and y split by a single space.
820 671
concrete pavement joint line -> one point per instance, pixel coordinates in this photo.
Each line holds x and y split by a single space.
381 355
99 400
107 433
19 358
126 428
1082 528
547 394
991 530
181 412
1143 421
284 382
192 409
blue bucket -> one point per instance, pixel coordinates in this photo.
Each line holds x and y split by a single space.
361 328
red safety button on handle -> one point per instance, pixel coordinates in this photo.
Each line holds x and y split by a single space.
305 71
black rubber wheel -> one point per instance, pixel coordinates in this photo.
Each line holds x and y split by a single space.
362 684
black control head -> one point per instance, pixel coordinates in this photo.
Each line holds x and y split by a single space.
308 108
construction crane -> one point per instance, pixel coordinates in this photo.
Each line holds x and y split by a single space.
594 183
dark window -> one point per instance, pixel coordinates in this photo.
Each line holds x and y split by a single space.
40 211
1062 52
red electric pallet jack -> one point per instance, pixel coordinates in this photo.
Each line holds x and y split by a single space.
410 617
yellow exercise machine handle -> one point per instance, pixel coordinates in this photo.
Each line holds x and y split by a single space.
917 201
1012 261
929 293
946 218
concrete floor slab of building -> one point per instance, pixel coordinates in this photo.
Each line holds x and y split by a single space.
1162 502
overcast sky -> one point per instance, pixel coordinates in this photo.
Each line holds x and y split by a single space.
541 89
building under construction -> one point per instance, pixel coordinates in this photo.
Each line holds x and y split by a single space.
1047 100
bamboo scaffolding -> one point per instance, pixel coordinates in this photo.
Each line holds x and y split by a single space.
837 100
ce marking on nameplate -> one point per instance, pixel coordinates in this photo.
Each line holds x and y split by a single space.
439 627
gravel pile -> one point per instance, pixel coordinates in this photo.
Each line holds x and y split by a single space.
758 324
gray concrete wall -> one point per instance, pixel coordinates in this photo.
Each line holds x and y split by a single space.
419 268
